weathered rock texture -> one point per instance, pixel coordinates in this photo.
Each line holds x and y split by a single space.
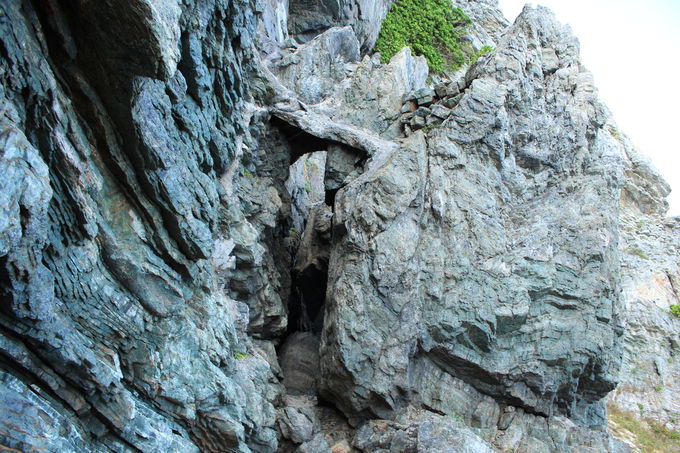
310 17
650 257
193 188
487 247
121 123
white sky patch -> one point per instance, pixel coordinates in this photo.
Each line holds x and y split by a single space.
632 47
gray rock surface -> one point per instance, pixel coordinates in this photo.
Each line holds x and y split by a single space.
488 22
306 187
298 424
503 427
299 360
217 238
419 432
273 24
650 258
476 247
374 95
310 17
314 70
115 335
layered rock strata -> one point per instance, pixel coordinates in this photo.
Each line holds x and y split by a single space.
227 227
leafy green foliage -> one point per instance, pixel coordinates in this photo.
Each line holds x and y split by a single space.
483 51
432 28
240 355
293 233
430 127
675 310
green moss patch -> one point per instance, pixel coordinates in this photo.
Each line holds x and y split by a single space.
637 252
432 28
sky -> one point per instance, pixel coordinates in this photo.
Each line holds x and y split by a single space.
632 47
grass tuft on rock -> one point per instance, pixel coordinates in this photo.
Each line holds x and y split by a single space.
432 28
648 435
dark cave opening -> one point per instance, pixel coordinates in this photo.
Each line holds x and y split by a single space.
330 197
300 142
319 169
315 177
307 300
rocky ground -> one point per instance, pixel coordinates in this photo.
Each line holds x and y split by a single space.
228 227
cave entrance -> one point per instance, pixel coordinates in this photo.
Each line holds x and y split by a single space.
310 242
308 301
319 168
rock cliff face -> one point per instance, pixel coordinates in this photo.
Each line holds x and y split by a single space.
118 121
227 227
650 263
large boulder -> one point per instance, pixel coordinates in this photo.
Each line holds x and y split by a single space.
488 246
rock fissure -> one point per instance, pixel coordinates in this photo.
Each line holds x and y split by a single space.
236 230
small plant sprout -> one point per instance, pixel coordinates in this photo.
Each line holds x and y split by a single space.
675 310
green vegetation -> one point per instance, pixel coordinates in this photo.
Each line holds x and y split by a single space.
650 436
432 28
457 417
430 127
247 173
637 252
308 187
240 355
293 233
675 310
483 51
658 388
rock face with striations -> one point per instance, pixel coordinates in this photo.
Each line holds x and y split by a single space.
121 127
486 249
649 251
225 226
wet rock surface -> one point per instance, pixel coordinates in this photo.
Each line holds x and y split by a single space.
235 230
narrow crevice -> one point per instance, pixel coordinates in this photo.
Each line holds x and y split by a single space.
330 197
307 300
319 169
308 242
